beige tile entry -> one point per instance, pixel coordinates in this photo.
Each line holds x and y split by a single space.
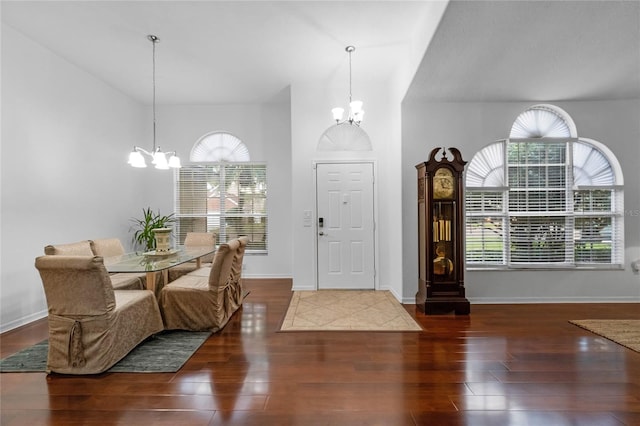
363 310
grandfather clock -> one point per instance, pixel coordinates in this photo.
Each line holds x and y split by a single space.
440 234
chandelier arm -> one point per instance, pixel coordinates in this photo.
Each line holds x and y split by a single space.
143 151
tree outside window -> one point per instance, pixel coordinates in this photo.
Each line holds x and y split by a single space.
539 201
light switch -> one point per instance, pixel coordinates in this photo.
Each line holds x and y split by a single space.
306 218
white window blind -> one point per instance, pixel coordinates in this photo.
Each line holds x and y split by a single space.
219 146
558 203
485 225
228 199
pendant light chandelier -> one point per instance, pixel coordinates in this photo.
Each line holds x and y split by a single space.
356 113
158 157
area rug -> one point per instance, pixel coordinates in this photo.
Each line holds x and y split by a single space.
164 352
352 310
623 332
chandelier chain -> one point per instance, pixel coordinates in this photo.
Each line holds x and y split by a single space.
154 40
350 96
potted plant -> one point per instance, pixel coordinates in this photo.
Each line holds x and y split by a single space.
143 235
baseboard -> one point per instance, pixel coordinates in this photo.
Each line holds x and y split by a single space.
266 277
311 287
518 300
531 300
408 300
23 321
308 287
394 293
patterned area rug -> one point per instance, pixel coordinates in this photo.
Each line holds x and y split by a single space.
353 310
165 352
623 332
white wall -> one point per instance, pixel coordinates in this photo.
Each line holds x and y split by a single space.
266 131
65 141
471 126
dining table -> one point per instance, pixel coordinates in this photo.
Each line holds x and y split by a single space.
153 263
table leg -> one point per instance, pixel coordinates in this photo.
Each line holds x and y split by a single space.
151 281
198 263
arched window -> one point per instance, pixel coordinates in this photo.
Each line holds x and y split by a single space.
222 192
344 137
544 198
543 121
218 147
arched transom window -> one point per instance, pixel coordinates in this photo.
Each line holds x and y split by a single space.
544 198
218 147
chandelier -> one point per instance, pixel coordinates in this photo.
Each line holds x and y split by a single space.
157 156
356 113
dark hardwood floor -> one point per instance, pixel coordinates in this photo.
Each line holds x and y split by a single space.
502 365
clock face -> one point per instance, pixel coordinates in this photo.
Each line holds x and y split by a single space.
443 184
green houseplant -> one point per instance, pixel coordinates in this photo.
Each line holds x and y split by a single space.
143 227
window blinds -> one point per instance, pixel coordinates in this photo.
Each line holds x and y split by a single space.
560 206
228 199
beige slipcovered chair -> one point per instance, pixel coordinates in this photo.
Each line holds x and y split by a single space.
81 248
91 325
110 247
237 263
194 239
236 271
106 248
198 303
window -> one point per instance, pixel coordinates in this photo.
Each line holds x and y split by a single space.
226 198
544 198
218 147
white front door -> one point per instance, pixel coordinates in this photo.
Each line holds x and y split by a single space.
345 226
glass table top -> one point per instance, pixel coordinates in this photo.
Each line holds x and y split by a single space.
141 262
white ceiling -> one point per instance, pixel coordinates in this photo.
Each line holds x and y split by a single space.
533 50
241 51
217 51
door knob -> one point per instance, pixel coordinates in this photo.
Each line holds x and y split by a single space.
321 233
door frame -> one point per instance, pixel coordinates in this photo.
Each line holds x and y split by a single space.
374 164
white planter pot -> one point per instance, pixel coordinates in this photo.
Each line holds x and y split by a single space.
163 239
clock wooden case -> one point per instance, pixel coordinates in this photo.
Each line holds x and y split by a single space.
441 234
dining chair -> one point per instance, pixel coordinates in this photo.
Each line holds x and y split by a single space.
198 303
194 240
105 248
91 325
111 247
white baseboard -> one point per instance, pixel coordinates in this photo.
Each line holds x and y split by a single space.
307 287
311 287
259 276
394 293
23 321
517 300
525 300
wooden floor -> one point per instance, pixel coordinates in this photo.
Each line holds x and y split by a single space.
502 365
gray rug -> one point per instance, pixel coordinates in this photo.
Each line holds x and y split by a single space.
165 352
